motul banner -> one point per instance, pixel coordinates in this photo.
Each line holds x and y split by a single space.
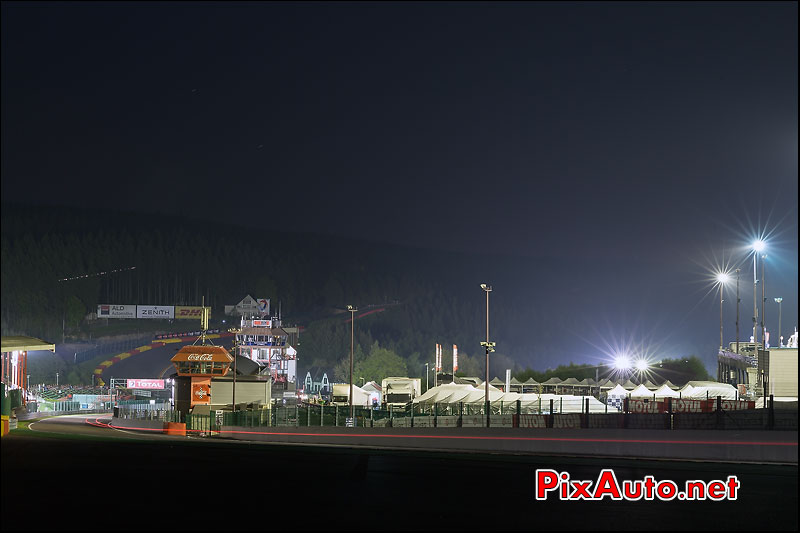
145 383
455 359
646 406
155 311
687 406
194 312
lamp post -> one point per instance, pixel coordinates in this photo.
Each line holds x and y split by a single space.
758 246
489 348
780 336
738 300
763 300
353 311
427 386
722 279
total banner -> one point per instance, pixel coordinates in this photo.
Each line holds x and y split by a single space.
116 311
145 384
155 311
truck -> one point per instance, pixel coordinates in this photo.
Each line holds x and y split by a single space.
398 392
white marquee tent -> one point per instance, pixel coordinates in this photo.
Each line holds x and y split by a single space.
641 392
452 393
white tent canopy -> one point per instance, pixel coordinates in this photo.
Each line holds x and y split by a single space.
438 394
700 390
641 392
455 393
665 392
618 391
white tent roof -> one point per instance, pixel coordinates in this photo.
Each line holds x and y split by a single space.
641 392
700 390
619 391
665 392
437 394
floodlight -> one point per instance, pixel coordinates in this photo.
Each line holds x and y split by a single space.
622 362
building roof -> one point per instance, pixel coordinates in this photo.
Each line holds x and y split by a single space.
553 381
25 344
275 332
210 353
246 366
316 373
531 381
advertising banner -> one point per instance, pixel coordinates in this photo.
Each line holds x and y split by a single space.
455 359
201 391
155 311
194 312
116 311
145 384
646 406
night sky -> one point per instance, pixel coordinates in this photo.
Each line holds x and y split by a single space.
614 136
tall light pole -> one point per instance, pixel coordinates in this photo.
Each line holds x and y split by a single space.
489 348
353 311
427 385
758 246
738 300
722 279
780 336
763 300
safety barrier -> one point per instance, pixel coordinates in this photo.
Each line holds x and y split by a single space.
446 421
569 421
691 416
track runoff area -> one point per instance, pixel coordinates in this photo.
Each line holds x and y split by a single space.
434 485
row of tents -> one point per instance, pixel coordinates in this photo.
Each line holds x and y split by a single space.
531 385
453 393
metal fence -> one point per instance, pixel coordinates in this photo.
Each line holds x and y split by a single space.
457 415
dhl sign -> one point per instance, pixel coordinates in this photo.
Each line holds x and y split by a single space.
193 312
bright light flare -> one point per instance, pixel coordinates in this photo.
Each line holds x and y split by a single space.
641 365
723 277
759 245
622 362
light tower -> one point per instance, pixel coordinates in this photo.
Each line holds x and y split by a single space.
758 246
489 348
780 336
738 301
722 279
353 311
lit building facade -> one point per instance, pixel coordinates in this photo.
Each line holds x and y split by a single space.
265 342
